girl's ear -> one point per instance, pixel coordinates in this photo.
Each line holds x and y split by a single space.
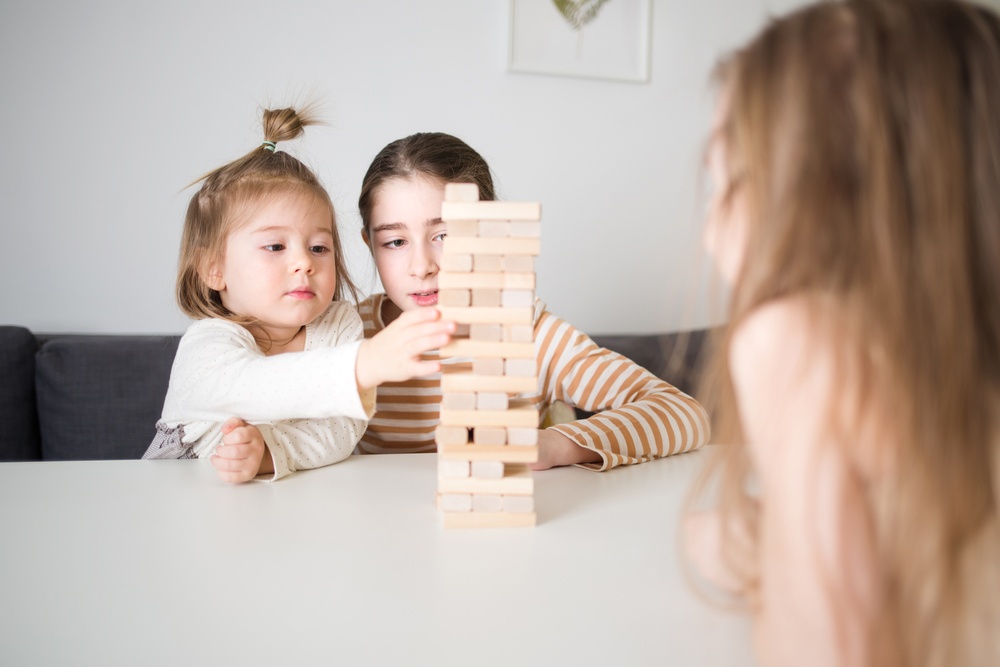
211 273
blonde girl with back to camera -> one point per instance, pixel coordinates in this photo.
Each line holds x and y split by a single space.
275 375
856 214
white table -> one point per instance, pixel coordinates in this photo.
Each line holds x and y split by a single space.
159 563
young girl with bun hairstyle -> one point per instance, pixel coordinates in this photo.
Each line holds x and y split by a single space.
275 376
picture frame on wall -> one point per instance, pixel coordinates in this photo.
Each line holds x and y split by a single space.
599 39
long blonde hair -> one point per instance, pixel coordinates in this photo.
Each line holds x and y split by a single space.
229 193
865 138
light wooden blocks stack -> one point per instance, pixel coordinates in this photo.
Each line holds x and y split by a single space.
486 284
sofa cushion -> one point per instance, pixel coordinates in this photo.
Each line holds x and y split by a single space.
675 357
99 396
19 440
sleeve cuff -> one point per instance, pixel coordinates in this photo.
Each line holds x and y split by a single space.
277 454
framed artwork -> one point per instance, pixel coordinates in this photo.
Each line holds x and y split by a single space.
600 39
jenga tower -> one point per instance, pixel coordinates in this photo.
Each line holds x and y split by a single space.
486 439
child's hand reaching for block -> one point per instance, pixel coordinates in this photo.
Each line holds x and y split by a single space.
394 354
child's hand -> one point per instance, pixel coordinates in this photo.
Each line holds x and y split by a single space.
555 449
241 456
393 354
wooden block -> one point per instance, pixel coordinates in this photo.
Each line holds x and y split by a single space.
478 349
522 437
451 469
503 453
458 400
518 333
486 298
451 436
492 400
491 210
482 502
455 262
482 246
485 279
517 481
464 380
516 298
461 330
487 315
455 502
487 469
521 228
488 367
487 262
487 333
458 228
461 192
520 367
456 298
518 504
493 228
514 417
518 264
460 520
490 436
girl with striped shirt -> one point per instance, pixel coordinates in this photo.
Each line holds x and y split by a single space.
639 416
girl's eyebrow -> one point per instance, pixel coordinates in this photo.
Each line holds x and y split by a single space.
395 226
282 228
388 227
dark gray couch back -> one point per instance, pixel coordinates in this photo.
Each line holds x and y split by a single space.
80 397
83 397
99 396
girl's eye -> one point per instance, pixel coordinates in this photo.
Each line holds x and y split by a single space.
440 237
274 247
395 243
319 249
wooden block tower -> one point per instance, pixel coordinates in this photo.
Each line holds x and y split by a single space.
486 284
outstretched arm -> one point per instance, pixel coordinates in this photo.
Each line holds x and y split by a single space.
639 416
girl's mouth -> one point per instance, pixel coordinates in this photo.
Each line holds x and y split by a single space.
301 294
425 298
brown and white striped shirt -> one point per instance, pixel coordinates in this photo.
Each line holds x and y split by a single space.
639 416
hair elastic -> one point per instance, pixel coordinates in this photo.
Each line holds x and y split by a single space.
269 145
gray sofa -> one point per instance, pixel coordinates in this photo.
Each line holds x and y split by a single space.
90 397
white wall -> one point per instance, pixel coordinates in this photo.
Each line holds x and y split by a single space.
110 107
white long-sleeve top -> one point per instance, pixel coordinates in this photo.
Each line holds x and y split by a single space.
306 404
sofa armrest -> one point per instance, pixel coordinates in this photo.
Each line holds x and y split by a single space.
19 438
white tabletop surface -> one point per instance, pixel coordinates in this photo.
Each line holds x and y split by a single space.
159 563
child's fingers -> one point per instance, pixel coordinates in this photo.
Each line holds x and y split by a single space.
418 315
241 435
232 423
236 451
426 337
223 464
422 368
415 346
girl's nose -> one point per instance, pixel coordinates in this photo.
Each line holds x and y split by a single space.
302 260
423 263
